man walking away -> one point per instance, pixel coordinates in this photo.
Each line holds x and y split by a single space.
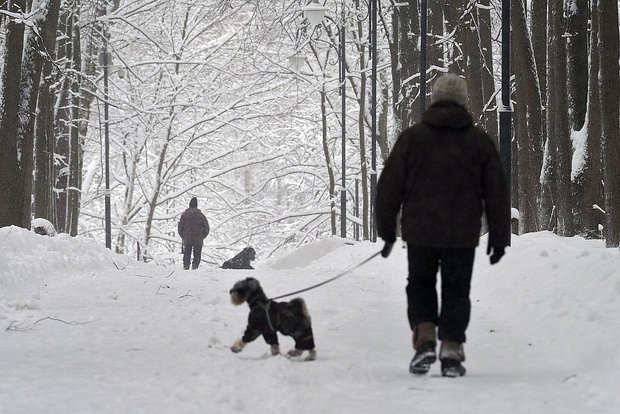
193 228
441 174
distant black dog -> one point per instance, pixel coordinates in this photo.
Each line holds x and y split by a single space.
242 260
268 317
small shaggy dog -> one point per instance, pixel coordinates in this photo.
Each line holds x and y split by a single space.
241 260
267 318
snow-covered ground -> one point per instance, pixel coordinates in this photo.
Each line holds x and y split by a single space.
86 331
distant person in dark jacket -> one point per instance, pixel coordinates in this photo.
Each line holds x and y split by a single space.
193 228
241 260
441 174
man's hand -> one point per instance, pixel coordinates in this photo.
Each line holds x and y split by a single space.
497 254
387 248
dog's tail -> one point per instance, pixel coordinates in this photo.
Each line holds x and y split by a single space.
302 305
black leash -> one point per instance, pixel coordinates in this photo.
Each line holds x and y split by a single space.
329 280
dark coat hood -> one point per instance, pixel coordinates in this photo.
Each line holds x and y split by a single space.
447 115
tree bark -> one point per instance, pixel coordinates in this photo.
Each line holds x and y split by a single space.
473 64
362 131
75 143
329 162
12 176
588 181
609 84
32 63
63 121
406 100
539 41
43 125
557 120
434 44
394 45
488 80
528 120
453 12
577 56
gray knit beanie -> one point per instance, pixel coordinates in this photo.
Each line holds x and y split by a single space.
450 87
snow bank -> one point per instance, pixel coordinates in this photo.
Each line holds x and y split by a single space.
558 293
307 254
29 260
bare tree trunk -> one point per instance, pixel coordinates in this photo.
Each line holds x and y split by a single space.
488 81
43 125
577 56
329 162
473 64
609 84
434 44
407 51
75 145
539 42
63 121
382 138
529 123
394 45
453 12
12 176
557 119
588 181
362 134
32 63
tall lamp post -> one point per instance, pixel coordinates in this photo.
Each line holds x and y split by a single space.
372 11
423 36
315 13
343 121
104 60
505 112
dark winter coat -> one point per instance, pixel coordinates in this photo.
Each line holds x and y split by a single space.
443 172
267 318
193 226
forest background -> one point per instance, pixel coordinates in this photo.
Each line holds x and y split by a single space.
237 102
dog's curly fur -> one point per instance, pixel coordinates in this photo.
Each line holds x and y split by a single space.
241 260
268 317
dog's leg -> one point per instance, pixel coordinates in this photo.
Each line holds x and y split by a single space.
311 355
275 349
238 346
295 352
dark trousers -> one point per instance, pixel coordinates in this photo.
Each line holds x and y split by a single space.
187 255
456 269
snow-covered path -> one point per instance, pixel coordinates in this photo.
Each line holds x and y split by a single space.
544 335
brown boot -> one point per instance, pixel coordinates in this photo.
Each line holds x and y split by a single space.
451 355
452 350
424 342
424 332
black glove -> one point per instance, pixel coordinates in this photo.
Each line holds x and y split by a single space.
387 248
498 252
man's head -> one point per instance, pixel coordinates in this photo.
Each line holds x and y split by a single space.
450 88
193 202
